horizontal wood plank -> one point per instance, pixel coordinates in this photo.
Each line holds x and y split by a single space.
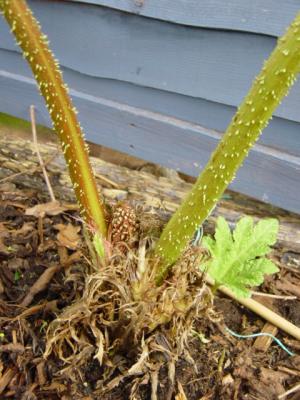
269 17
213 65
268 175
18 159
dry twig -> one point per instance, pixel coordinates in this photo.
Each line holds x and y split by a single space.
274 296
34 135
40 284
290 391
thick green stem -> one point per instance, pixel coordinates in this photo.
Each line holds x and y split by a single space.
268 89
48 75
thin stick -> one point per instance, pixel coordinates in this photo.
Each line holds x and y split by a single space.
274 296
262 311
34 136
106 180
292 390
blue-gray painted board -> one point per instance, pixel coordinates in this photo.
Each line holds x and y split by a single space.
213 65
268 175
281 134
269 17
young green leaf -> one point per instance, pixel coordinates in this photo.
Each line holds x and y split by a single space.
237 259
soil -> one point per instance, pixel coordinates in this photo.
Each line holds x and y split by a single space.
43 259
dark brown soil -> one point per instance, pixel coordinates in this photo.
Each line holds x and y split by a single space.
39 254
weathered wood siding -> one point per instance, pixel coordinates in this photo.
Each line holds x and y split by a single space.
150 79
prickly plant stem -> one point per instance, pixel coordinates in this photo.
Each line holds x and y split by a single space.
48 75
268 89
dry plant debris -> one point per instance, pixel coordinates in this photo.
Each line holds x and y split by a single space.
108 334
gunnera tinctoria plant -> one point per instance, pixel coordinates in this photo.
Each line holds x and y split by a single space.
272 84
125 299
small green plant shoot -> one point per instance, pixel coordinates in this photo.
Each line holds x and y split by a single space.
238 259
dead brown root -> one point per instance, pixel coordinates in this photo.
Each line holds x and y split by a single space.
127 324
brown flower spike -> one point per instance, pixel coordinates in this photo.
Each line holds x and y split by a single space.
124 226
